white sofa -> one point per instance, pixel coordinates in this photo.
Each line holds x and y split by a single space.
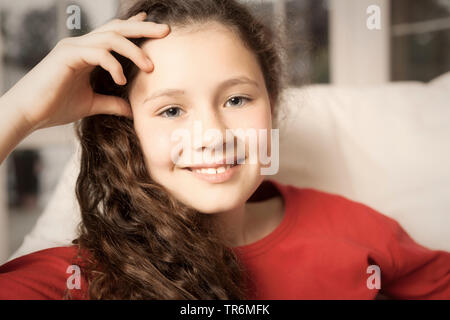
387 146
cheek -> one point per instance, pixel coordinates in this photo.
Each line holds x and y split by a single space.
256 119
156 145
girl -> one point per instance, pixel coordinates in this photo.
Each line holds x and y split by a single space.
156 227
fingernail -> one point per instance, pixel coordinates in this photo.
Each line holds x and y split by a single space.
142 14
149 64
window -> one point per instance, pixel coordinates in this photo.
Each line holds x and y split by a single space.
420 42
306 26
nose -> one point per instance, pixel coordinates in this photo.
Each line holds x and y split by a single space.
212 132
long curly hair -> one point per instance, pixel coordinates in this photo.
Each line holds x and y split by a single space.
137 240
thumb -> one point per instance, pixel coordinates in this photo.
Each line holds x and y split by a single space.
105 104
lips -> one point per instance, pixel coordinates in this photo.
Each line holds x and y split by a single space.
219 165
211 170
215 173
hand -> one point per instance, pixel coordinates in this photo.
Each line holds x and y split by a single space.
57 90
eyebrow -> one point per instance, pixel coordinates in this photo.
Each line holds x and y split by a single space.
225 84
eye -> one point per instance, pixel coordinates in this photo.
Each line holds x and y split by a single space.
235 100
172 112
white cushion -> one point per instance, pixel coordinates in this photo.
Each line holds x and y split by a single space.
386 146
57 224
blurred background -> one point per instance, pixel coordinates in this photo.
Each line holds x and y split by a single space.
328 42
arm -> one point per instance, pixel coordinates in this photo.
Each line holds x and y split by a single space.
14 127
419 272
43 275
57 90
408 270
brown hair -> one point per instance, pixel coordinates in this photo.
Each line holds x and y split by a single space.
141 242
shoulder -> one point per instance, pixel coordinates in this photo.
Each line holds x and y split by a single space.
44 274
333 212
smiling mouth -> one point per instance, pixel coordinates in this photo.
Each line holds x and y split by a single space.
216 173
212 171
216 168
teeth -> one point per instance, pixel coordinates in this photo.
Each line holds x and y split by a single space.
221 169
213 170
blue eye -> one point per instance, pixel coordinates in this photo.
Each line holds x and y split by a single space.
237 99
172 112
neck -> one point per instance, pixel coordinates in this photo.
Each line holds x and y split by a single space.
251 221
234 225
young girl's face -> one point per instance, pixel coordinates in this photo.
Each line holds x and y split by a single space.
196 65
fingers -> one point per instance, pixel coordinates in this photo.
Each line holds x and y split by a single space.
134 27
104 104
113 36
124 47
139 29
140 16
103 58
94 48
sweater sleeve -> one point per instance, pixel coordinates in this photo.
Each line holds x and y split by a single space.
418 272
43 275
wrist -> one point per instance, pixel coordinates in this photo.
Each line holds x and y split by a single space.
14 118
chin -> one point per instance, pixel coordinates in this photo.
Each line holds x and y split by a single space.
210 198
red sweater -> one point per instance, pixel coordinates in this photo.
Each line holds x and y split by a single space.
321 250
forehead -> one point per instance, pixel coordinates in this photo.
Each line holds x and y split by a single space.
204 54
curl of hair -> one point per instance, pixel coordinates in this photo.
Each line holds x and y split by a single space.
138 241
